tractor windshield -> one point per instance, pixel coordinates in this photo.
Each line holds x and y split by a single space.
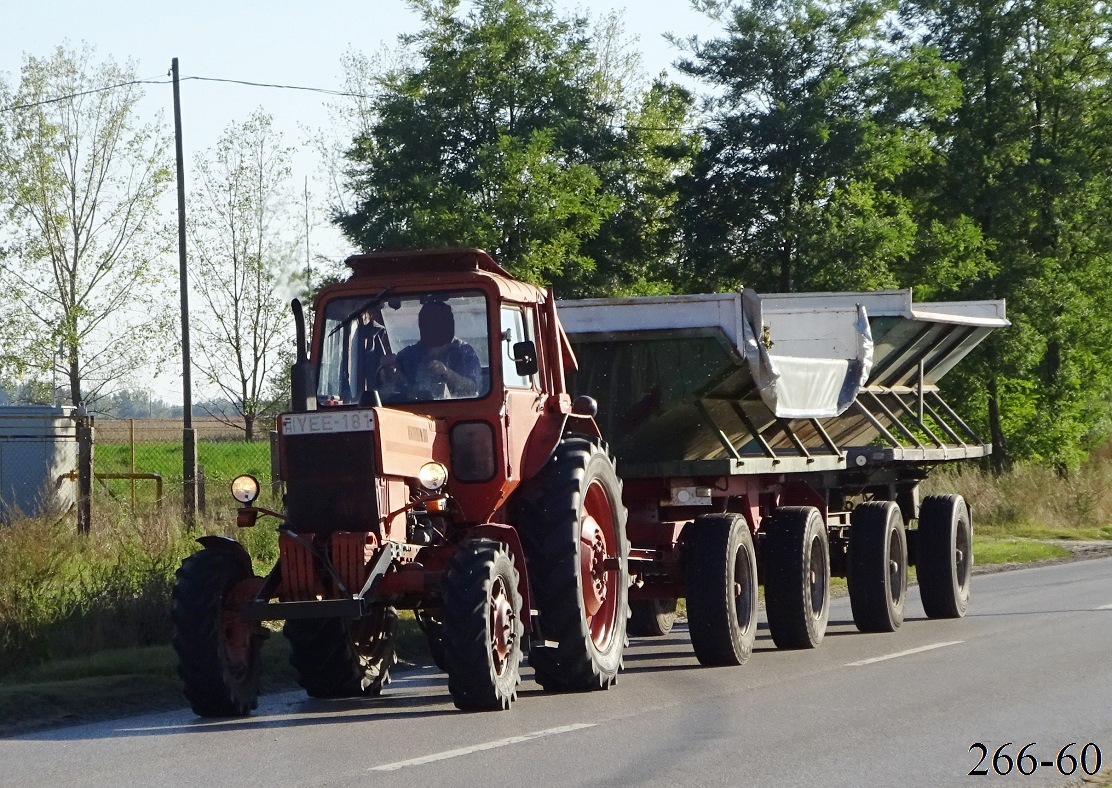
407 348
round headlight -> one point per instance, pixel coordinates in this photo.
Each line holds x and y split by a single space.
245 489
432 475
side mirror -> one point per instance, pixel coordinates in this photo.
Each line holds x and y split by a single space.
584 406
525 357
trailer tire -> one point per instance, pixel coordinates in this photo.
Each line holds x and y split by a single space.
797 577
651 617
945 556
721 575
340 657
877 571
482 626
572 524
217 649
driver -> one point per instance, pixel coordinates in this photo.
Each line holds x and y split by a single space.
438 360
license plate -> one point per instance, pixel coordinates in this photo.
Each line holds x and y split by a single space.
326 422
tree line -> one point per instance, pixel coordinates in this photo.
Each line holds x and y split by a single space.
960 149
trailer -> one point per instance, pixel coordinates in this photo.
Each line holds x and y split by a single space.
780 440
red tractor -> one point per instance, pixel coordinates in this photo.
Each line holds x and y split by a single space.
433 461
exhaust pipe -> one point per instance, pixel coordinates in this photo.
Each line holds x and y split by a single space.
303 384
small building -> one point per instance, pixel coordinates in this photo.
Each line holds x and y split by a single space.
38 460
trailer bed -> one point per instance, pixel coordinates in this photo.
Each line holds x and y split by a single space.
740 383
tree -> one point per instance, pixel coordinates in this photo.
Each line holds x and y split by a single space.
242 253
504 132
794 175
1025 169
80 181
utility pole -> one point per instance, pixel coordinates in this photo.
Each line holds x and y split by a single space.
188 434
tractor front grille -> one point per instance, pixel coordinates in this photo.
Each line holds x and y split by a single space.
330 482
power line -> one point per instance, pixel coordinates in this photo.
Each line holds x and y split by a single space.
32 105
324 91
153 81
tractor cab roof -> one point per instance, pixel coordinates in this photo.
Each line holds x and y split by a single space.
408 267
424 260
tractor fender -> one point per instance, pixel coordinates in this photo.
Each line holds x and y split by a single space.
230 546
508 535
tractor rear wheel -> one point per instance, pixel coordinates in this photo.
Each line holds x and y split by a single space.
944 563
651 617
572 523
482 626
721 589
218 649
877 576
797 577
340 657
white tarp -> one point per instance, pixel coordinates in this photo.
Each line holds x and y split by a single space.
807 363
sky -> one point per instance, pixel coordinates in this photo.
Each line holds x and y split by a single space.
275 42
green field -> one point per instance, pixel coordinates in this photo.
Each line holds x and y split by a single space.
218 462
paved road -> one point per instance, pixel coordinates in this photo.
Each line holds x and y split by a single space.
1031 663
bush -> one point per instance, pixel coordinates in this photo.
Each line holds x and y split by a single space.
62 594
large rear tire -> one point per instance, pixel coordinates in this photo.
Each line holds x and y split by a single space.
572 522
482 626
797 577
721 575
340 657
945 556
877 576
651 617
218 650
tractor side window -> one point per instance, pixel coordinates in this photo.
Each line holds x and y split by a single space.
513 332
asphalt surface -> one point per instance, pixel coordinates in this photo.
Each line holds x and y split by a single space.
1031 663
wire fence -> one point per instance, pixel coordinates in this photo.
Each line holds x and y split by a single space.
139 461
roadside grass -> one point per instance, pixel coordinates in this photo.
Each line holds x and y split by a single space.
990 550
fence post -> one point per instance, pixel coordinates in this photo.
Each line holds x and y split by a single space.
84 470
275 467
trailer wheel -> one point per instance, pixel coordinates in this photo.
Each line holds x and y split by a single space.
797 577
572 522
217 649
945 556
482 626
651 617
721 589
341 657
877 572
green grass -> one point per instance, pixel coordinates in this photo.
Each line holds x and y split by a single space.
218 461
1014 551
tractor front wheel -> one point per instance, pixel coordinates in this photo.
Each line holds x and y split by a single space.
217 649
340 657
482 626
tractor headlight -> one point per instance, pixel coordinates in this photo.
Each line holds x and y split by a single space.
432 475
245 489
